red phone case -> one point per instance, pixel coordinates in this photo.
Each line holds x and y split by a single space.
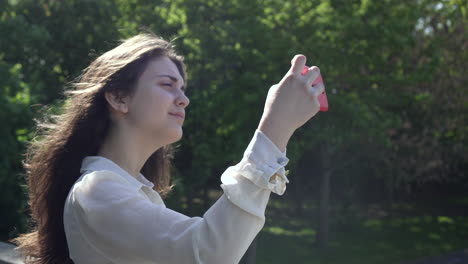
323 96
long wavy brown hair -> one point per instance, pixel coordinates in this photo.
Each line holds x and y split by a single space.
53 158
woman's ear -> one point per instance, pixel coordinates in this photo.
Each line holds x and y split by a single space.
117 102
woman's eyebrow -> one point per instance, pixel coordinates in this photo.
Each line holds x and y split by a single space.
174 79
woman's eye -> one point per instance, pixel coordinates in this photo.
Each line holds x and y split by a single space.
171 85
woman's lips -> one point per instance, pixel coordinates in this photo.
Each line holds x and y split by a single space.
180 115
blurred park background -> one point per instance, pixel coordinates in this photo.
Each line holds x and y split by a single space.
379 178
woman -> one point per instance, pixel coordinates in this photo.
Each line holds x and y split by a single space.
98 174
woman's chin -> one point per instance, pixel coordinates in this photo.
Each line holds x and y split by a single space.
168 135
177 134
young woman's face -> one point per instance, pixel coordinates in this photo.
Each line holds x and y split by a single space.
158 100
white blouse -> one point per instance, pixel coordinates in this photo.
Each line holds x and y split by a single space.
113 217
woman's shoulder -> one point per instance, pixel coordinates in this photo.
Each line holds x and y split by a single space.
99 177
99 183
98 188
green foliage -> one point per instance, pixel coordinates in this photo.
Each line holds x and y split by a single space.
406 232
370 241
394 74
16 119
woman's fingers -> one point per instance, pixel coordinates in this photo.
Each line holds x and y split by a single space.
317 89
311 75
297 64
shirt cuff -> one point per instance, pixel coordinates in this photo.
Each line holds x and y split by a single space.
263 164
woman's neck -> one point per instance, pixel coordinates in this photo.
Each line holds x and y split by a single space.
127 149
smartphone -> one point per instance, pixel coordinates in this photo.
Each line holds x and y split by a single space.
322 98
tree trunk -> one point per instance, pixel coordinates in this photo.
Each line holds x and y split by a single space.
322 234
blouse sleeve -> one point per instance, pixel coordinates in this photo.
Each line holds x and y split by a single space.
125 227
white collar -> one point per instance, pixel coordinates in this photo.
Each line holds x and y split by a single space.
97 163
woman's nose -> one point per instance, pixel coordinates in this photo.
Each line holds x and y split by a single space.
182 99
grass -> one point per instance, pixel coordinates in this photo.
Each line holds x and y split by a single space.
384 240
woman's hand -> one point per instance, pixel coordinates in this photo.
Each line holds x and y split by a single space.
291 103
